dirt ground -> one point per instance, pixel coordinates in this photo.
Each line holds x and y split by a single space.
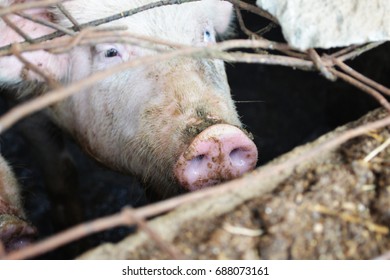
335 207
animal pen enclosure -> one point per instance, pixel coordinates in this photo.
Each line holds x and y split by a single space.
328 199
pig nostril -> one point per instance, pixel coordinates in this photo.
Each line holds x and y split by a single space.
196 163
238 157
199 158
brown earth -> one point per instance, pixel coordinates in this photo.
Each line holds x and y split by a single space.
336 206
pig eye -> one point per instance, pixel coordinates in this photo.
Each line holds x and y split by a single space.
208 36
111 53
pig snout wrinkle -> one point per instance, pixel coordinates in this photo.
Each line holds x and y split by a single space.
219 153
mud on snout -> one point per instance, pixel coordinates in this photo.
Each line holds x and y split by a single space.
219 152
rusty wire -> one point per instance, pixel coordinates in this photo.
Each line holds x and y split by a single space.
89 34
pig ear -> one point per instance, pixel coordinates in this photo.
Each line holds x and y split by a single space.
12 70
223 16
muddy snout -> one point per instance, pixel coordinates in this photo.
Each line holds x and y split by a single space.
219 153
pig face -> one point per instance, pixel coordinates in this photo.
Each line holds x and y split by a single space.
172 124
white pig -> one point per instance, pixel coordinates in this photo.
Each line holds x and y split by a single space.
172 124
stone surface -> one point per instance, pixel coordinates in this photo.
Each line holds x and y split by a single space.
330 23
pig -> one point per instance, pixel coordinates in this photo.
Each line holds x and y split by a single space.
172 124
15 231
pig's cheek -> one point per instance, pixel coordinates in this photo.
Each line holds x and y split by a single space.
82 64
57 66
106 118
